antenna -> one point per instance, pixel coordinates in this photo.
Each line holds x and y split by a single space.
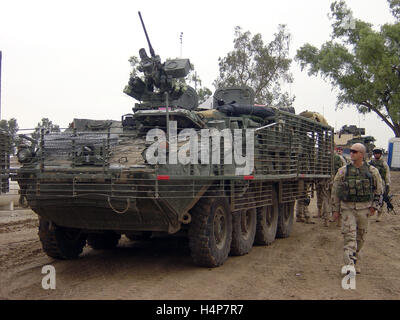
180 38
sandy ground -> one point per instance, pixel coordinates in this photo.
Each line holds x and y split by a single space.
307 265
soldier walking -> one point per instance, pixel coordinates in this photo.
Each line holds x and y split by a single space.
355 196
384 171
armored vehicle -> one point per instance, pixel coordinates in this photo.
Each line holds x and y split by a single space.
226 178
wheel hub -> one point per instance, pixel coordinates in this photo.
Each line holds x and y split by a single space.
220 228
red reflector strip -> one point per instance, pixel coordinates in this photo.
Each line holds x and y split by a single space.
248 177
162 177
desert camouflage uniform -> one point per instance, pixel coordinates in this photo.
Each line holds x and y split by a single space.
302 212
384 171
324 189
355 214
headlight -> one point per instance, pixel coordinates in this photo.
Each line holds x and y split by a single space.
24 155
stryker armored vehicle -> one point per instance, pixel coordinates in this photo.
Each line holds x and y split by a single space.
227 177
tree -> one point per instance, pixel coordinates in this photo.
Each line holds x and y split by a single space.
395 8
363 64
11 126
194 80
260 66
47 125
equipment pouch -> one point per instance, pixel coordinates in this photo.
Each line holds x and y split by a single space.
353 188
366 186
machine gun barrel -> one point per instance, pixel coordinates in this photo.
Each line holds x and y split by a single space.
147 37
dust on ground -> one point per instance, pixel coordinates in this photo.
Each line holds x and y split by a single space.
307 265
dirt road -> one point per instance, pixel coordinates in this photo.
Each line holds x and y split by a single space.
305 266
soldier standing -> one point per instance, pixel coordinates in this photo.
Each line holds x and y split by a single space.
384 171
302 212
324 189
338 162
355 196
339 152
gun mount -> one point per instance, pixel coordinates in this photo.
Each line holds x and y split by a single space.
159 80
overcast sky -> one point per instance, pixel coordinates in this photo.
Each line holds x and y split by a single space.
69 59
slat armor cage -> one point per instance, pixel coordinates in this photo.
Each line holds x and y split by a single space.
290 152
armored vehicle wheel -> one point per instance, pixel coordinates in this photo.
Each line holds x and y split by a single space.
59 242
285 219
102 241
267 223
210 232
243 231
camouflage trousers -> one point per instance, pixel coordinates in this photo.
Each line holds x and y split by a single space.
354 230
320 198
302 211
380 211
324 200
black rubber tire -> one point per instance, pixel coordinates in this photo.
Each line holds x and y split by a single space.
285 219
267 223
210 232
143 236
23 202
59 242
103 241
244 225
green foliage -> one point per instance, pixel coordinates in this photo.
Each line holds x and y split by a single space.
194 81
395 8
204 94
261 66
47 125
11 126
362 63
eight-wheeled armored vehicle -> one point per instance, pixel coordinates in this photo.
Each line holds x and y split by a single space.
226 177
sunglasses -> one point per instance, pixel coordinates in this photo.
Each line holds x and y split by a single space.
354 151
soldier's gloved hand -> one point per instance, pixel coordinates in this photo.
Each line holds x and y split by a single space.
387 189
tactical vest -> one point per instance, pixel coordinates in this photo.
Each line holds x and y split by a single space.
357 185
379 165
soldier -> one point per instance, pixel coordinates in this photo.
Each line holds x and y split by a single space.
339 153
384 171
302 212
338 162
355 196
324 189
